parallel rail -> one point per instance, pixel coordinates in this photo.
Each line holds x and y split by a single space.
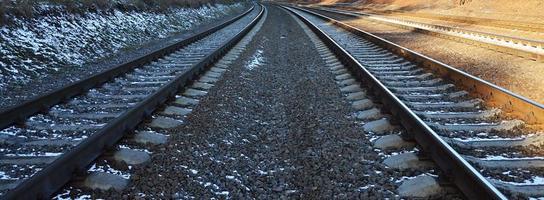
452 164
506 24
19 113
495 96
532 49
50 179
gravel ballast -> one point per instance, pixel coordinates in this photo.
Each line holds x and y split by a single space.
14 94
519 75
275 125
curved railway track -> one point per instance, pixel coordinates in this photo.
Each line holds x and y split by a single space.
48 140
485 139
487 22
523 47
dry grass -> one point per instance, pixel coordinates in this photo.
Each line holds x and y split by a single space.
19 7
27 8
500 9
2 11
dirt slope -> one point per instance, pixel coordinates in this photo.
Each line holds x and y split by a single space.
502 9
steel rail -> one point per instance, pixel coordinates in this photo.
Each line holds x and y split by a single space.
42 103
55 175
533 49
513 104
504 37
506 24
454 167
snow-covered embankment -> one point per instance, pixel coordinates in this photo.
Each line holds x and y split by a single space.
57 46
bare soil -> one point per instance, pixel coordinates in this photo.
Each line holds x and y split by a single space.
529 10
520 75
474 14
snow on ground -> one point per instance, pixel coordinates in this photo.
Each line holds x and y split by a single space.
256 60
49 44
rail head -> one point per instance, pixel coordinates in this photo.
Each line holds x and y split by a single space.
531 49
528 26
514 105
460 172
47 181
18 113
532 42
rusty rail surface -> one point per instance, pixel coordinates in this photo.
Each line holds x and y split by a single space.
456 169
494 96
50 179
506 24
531 49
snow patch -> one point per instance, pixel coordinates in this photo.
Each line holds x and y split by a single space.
256 60
36 48
493 157
34 154
108 169
4 176
535 180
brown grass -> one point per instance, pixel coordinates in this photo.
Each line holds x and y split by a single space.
26 8
525 11
2 12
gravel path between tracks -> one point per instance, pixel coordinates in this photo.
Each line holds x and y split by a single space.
519 75
275 126
16 94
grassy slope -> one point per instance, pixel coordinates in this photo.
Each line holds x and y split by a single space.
507 9
29 8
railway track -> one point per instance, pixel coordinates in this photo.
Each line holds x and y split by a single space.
486 140
523 47
487 22
49 140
